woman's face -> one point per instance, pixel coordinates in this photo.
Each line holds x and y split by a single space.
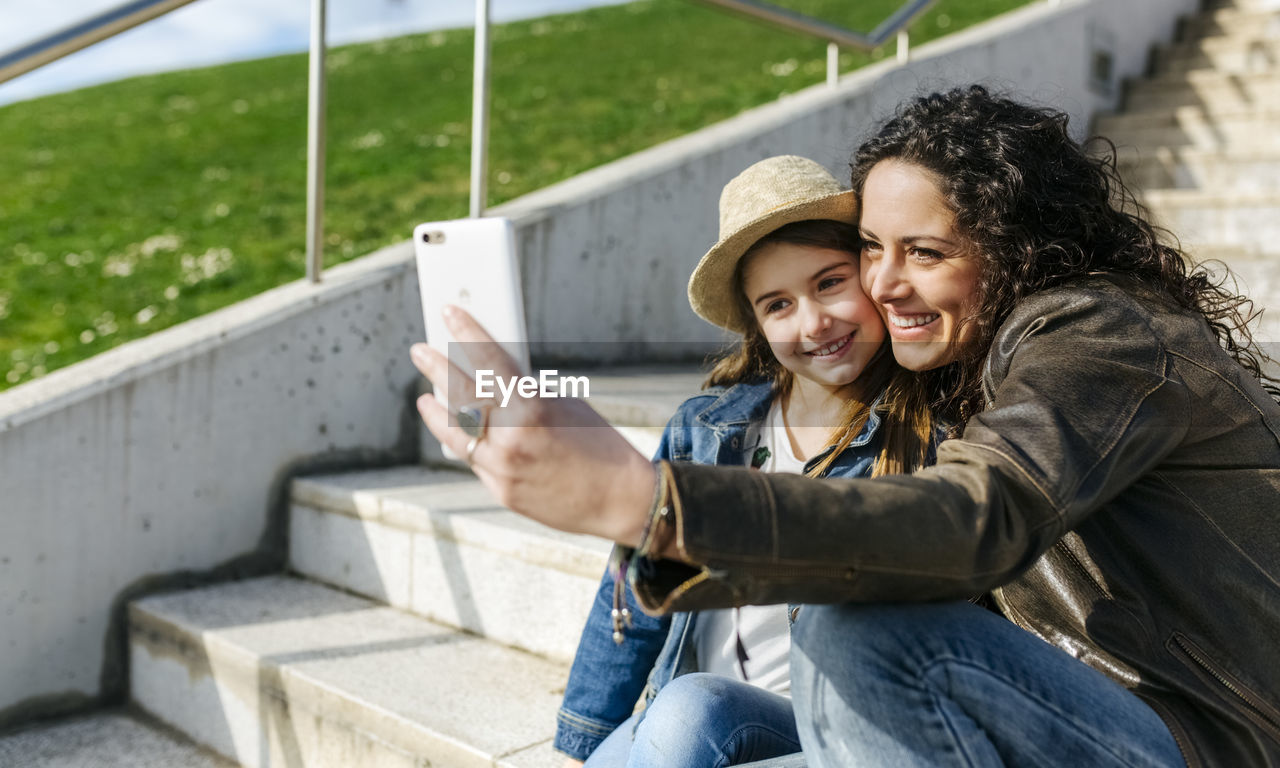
809 304
921 274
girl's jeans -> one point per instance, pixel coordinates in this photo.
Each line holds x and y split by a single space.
903 685
952 684
702 721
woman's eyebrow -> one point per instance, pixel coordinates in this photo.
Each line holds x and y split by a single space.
913 239
867 234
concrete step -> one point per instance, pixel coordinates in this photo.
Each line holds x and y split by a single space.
1258 21
282 672
1255 129
110 739
642 396
1248 220
636 400
1215 92
1256 275
1236 169
435 543
1236 55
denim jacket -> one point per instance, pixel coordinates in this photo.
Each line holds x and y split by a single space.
717 426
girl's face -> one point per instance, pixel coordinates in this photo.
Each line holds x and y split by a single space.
810 306
921 274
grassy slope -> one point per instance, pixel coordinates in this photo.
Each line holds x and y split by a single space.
135 205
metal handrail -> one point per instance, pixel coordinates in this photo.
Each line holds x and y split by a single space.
480 112
107 24
315 143
896 24
110 23
82 34
798 22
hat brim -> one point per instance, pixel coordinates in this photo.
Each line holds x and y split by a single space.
711 284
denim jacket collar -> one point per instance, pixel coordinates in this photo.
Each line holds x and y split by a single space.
738 412
737 407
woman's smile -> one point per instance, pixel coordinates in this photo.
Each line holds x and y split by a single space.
902 324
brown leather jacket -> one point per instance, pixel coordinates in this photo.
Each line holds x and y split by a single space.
1120 498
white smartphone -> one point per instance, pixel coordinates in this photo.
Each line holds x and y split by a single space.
471 263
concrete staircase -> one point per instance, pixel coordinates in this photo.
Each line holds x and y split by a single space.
420 624
1200 141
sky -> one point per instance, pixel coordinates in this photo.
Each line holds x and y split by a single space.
213 31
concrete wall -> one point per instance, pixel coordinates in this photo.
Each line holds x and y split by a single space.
606 255
163 463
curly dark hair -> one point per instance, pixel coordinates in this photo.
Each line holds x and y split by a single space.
1042 209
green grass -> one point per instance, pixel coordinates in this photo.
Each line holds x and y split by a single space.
135 205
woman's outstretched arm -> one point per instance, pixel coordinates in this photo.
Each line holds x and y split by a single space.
556 461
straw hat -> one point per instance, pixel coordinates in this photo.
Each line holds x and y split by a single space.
773 192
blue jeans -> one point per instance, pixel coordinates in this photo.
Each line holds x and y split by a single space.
953 684
702 721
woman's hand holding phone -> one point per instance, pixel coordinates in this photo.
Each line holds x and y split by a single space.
556 461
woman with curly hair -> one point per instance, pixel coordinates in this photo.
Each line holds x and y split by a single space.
1089 575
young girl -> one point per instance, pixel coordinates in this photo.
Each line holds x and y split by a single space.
813 354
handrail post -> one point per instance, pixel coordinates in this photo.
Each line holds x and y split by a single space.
315 144
904 46
82 34
480 113
833 64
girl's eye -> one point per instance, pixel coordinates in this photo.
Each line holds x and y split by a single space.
829 282
775 306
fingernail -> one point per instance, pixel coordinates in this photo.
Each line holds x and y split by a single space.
418 352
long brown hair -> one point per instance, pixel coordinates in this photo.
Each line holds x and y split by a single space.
906 421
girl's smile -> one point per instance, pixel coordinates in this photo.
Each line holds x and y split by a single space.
832 351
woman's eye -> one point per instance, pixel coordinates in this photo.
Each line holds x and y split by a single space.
924 254
871 249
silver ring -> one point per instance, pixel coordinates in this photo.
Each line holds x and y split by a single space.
474 420
471 450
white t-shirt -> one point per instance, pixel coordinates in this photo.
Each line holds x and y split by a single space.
764 629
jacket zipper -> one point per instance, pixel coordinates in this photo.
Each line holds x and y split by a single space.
1259 708
1189 756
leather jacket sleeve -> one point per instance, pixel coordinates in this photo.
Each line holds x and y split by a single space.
1079 407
